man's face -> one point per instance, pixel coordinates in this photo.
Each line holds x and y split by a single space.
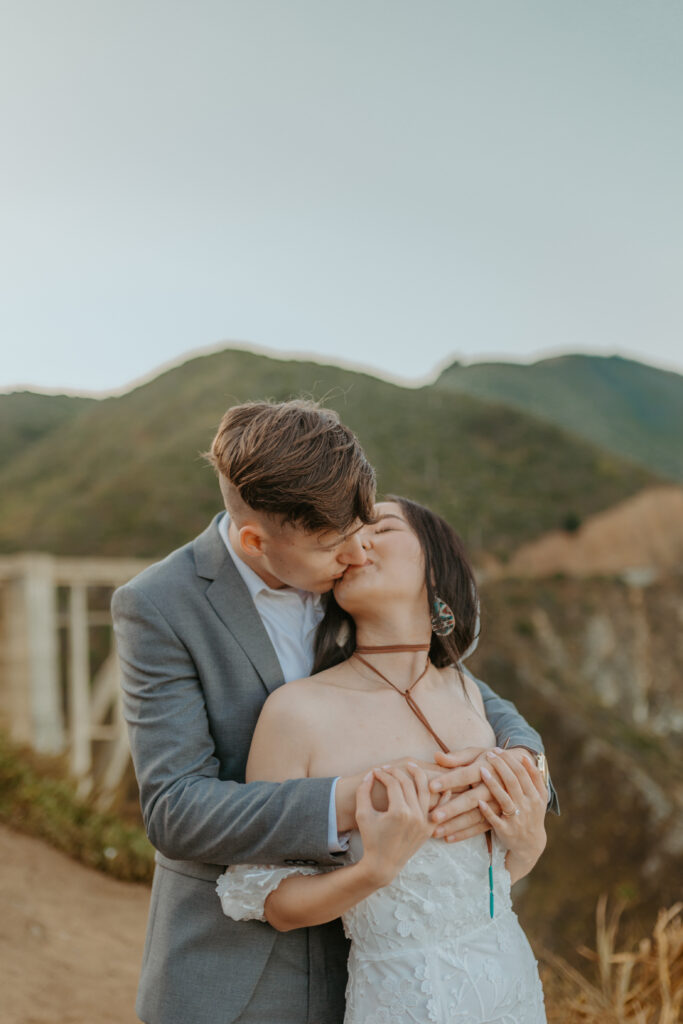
286 555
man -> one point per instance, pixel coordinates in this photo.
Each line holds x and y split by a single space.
203 637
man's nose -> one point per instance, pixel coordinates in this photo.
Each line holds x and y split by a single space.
352 552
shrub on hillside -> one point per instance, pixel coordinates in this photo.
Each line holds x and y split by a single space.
45 805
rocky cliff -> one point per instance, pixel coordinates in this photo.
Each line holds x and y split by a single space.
596 665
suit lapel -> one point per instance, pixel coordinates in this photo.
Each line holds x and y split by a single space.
228 596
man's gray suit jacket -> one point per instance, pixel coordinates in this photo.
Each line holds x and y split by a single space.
197 666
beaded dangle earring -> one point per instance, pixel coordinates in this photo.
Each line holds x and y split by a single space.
443 619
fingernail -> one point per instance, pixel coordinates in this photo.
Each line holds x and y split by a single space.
412 764
481 803
498 750
386 767
368 776
439 816
491 756
435 787
486 773
450 839
439 832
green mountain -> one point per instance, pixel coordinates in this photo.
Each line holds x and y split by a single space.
633 410
125 476
25 417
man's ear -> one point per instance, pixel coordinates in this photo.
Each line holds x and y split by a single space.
251 540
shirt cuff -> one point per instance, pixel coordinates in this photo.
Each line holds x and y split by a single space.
336 842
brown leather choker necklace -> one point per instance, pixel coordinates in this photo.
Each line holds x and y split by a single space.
410 701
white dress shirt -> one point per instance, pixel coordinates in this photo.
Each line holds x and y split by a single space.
290 618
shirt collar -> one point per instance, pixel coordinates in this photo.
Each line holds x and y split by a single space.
255 585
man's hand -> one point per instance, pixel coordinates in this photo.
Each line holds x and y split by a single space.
345 795
458 816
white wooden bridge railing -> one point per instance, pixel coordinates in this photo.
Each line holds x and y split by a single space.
50 699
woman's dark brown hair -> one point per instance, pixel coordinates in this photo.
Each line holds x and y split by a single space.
448 575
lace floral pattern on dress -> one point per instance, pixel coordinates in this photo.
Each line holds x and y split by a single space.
424 948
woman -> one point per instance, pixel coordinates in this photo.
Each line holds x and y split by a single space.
433 934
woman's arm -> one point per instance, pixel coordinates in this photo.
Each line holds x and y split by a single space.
281 744
389 837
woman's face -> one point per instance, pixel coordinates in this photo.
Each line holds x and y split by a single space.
394 568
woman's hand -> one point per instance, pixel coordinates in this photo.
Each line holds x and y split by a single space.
522 794
432 771
391 837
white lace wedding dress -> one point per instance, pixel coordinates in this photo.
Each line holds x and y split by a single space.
424 948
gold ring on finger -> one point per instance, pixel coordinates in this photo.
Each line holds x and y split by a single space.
511 814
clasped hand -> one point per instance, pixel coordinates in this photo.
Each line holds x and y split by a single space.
479 790
393 834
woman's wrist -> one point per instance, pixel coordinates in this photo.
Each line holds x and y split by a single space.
521 860
530 851
375 871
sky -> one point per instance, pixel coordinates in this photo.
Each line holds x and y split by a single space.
382 183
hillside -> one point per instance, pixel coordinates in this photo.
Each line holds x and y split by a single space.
125 477
642 533
626 407
595 666
26 416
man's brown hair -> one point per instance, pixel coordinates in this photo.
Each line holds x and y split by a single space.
297 461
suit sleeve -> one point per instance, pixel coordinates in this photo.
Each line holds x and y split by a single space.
508 724
188 811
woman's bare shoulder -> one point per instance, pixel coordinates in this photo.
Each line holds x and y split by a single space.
472 690
299 698
288 729
464 684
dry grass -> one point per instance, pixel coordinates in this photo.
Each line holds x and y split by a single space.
640 986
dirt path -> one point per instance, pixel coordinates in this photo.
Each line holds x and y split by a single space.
70 938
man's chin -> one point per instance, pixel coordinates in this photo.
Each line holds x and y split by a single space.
323 587
331 584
